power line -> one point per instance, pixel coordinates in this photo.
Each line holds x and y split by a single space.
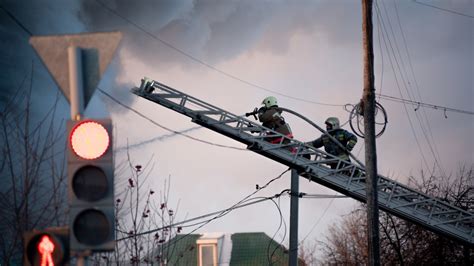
197 60
218 214
151 140
282 222
16 20
196 218
398 64
166 128
322 196
417 88
404 76
238 205
422 104
151 35
444 9
387 40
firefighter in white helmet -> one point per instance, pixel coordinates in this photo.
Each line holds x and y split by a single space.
347 139
270 116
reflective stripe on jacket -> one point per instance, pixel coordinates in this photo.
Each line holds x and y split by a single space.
346 138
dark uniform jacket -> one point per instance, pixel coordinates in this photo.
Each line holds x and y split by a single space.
346 138
271 118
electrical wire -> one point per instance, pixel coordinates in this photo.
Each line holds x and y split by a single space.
321 196
422 104
258 188
217 214
388 42
407 84
16 20
158 138
193 219
282 222
235 77
223 213
166 128
199 61
417 89
404 78
317 221
444 9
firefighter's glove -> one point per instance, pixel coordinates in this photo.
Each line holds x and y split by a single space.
252 113
350 145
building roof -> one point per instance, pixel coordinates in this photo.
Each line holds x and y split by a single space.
247 249
257 249
181 250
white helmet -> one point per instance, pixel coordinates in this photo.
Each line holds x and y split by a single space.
333 122
270 101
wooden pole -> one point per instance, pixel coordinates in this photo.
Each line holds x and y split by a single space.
368 105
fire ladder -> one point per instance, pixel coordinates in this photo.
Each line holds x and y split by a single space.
349 179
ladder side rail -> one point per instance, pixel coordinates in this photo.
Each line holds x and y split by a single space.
207 107
425 205
160 86
420 208
194 100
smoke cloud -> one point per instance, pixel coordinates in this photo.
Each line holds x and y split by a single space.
215 31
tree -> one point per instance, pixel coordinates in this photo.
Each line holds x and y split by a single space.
402 242
138 211
32 172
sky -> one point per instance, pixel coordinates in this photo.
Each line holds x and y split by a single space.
232 54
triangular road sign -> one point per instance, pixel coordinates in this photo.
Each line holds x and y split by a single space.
97 52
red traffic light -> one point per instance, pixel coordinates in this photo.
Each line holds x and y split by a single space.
91 185
89 140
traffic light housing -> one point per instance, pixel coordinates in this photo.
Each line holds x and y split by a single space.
46 247
91 185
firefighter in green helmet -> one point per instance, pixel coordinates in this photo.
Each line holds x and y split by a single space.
347 139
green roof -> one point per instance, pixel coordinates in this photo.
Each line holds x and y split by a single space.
257 249
248 249
181 250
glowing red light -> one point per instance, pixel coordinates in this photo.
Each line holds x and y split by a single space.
46 248
89 140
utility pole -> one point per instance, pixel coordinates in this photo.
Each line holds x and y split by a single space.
368 109
293 258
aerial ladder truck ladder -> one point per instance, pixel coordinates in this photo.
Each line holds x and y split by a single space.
348 179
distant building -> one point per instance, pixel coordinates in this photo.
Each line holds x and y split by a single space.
219 249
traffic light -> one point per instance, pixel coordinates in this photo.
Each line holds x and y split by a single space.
47 247
91 185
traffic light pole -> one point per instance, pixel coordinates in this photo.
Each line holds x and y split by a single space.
368 105
82 260
293 258
76 84
76 90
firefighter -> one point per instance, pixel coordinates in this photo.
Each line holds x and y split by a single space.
347 139
270 116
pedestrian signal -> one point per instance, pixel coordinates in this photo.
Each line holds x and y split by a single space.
47 248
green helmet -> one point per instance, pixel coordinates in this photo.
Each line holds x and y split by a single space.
270 101
333 122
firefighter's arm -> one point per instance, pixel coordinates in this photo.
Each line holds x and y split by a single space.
352 141
256 112
317 143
